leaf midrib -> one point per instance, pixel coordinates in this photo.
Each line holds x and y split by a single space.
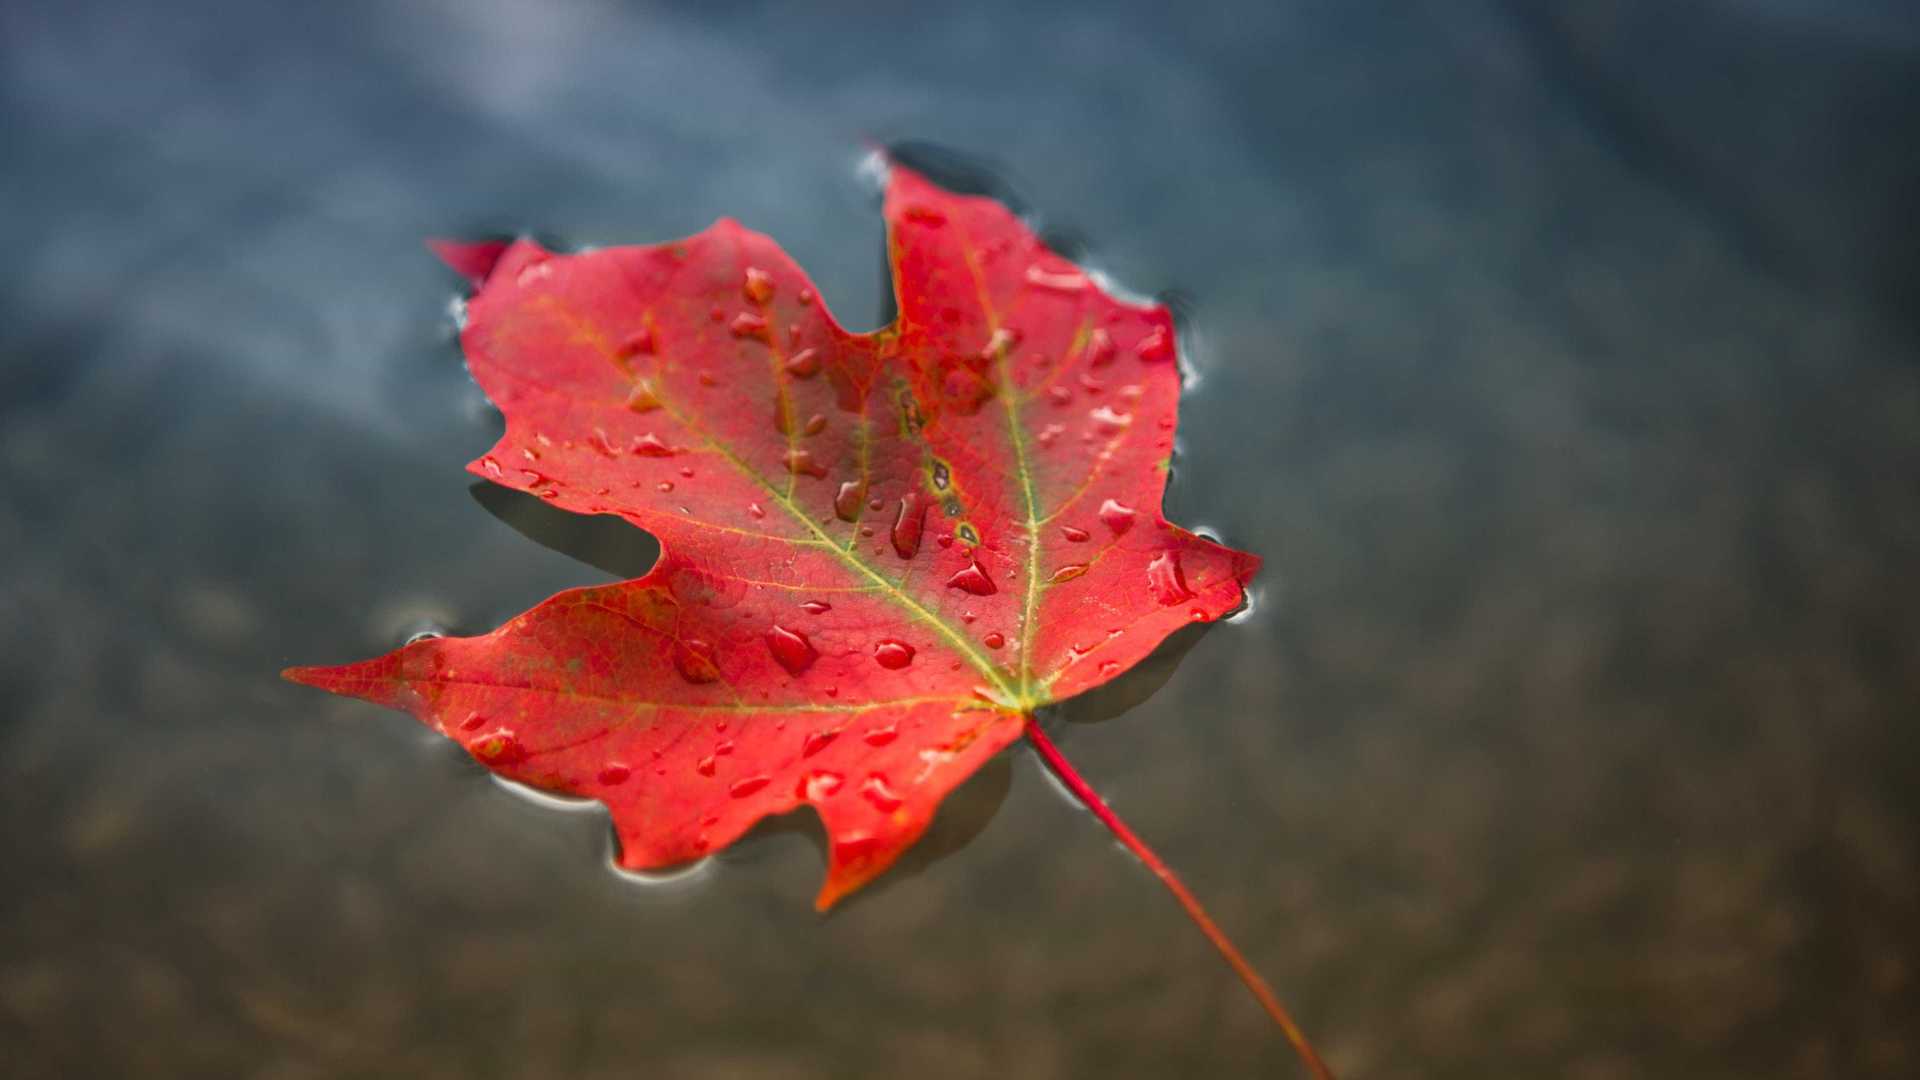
886 587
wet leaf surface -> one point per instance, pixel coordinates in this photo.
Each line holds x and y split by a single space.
880 553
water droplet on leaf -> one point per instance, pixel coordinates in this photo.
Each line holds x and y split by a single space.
883 797
801 463
651 445
759 285
1166 580
846 501
1100 349
694 659
641 398
497 747
1156 346
804 364
640 341
908 523
1108 421
791 648
818 785
973 578
742 788
1067 283
893 655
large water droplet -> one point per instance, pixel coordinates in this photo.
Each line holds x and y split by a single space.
801 463
651 445
1066 283
1156 346
893 655
973 578
882 796
642 398
804 364
746 786
759 285
908 523
1100 349
818 785
791 648
1166 580
817 742
995 639
497 747
846 501
640 341
1109 421
1116 515
694 659
1003 340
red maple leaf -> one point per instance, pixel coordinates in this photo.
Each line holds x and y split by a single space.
880 553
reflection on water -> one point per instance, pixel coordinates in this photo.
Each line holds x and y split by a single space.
1559 363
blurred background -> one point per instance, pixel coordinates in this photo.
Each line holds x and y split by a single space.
1562 360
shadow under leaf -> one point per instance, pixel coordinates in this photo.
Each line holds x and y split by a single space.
602 541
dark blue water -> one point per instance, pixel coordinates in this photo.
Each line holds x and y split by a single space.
1560 360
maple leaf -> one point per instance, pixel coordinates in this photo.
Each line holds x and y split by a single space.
880 553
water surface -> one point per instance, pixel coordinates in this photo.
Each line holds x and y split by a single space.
1561 366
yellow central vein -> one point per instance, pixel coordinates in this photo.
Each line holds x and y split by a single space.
959 641
889 588
1018 437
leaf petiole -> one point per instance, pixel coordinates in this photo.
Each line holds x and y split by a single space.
1083 791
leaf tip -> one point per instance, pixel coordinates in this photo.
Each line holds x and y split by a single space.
1246 566
472 260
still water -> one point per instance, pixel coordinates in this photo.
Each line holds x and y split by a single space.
1560 363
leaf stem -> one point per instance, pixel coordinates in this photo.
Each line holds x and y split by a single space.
1077 784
